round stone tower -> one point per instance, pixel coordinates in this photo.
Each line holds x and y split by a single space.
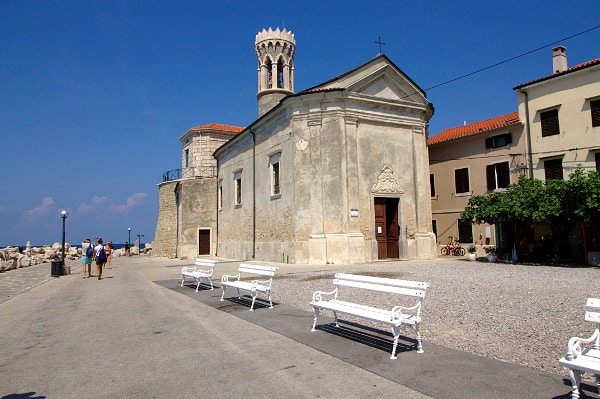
275 50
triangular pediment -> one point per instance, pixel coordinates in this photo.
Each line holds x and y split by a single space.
378 78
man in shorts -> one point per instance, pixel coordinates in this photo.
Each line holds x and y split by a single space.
100 257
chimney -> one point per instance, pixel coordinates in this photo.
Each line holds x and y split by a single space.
559 59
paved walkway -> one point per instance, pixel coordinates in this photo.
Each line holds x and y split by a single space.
138 334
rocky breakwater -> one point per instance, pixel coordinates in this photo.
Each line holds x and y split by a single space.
14 257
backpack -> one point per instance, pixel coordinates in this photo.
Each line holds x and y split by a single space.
101 256
89 252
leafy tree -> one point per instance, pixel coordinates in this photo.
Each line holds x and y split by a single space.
534 201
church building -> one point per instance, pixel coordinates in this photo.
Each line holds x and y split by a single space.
337 173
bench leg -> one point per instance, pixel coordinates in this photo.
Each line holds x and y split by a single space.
316 313
270 302
575 376
211 284
198 284
418 334
335 319
182 280
254 294
396 331
223 294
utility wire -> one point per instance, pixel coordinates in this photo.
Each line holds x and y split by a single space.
512 58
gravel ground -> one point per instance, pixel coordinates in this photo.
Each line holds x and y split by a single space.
523 314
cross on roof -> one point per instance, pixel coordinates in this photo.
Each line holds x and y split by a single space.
380 43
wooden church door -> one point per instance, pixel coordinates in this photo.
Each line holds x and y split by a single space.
386 227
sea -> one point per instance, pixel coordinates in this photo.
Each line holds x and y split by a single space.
115 246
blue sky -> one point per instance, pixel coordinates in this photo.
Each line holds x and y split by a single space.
95 94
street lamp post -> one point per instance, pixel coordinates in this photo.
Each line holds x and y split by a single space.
139 243
129 230
63 214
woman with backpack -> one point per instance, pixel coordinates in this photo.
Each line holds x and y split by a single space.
100 257
87 253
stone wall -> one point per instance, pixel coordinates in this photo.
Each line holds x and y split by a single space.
165 237
198 211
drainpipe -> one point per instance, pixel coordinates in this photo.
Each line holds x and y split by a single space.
253 193
527 124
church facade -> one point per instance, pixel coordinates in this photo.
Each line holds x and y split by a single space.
337 173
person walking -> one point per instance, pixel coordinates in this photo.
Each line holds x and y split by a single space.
100 257
109 250
126 248
87 253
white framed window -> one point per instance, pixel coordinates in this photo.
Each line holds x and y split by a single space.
274 167
220 194
497 176
461 181
237 179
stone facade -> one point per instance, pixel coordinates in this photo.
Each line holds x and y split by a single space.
332 142
165 238
337 173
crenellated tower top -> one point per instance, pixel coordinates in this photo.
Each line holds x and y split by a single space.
275 50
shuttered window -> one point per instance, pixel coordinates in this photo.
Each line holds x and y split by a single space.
461 180
499 140
432 184
549 121
595 107
553 169
498 176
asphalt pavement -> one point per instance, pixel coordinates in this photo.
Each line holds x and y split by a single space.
137 334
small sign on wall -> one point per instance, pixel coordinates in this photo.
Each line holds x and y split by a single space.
354 213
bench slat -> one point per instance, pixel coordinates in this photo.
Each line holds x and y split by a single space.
593 303
594 317
381 288
382 280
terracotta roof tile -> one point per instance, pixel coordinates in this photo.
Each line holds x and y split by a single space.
584 65
473 128
219 126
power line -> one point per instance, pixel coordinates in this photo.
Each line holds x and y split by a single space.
512 58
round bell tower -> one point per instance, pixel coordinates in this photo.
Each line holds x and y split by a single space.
275 50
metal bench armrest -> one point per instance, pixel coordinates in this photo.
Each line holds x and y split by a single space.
318 295
574 348
225 278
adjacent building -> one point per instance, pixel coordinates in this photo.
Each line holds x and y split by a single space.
556 129
474 159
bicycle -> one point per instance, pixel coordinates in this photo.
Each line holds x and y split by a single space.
453 247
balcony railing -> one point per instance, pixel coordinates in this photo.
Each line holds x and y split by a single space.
189 173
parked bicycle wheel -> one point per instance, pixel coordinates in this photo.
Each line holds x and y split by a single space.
460 251
445 251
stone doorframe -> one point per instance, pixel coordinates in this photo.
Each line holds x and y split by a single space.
387 186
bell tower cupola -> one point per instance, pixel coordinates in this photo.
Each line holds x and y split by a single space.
275 50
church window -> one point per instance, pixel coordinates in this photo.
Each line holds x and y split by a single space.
274 167
238 187
220 195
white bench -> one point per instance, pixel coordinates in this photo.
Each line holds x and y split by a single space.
202 269
397 317
583 354
252 286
